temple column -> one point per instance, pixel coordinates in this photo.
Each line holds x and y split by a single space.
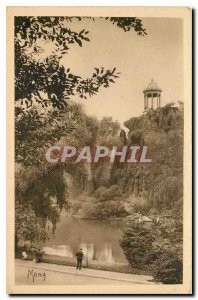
152 101
144 102
159 100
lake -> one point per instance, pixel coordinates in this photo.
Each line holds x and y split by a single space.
99 239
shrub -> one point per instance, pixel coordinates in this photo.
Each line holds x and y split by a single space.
89 211
159 248
104 210
153 211
111 193
112 209
169 271
137 245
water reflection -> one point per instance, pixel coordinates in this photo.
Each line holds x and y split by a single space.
88 250
106 254
99 240
60 250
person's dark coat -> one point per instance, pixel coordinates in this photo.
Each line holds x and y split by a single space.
79 256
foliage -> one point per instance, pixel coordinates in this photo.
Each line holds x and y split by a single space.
159 248
136 137
167 117
28 227
111 208
35 132
128 23
47 81
104 210
169 271
136 243
160 182
139 204
43 86
45 115
106 203
111 193
108 133
39 200
153 211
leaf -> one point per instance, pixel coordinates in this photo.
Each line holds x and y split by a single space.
79 42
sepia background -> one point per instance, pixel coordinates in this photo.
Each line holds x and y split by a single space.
159 56
140 81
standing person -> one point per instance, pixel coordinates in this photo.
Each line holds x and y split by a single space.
79 256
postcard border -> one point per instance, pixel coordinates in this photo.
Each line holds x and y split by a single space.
175 12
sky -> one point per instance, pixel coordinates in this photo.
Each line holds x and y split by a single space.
158 56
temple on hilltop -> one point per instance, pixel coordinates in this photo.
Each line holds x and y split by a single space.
152 96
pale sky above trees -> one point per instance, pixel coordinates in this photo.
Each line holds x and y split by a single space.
159 55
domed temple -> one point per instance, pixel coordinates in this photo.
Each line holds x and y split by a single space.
152 96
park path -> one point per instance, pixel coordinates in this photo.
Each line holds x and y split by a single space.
58 274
